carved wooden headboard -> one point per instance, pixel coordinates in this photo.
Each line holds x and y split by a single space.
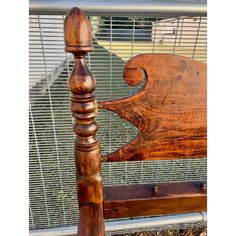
170 113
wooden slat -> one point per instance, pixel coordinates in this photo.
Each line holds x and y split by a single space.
142 200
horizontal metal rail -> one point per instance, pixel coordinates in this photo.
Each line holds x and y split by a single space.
120 7
130 224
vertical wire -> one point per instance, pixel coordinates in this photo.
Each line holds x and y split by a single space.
182 169
155 35
31 214
153 50
203 164
133 30
132 48
125 173
177 30
89 66
53 121
163 34
141 172
186 173
126 164
172 169
109 173
181 31
157 165
195 45
68 74
40 165
110 78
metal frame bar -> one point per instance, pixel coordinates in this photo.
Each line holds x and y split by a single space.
130 224
120 7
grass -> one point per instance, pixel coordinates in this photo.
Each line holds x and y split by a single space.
124 50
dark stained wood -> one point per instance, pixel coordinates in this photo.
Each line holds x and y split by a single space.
77 32
143 200
81 83
169 111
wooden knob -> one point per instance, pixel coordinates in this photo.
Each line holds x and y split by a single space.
77 32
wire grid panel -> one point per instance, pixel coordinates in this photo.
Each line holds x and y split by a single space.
51 163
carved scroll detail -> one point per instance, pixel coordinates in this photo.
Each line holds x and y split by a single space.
169 111
81 83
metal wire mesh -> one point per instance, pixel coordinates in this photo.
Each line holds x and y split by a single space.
51 163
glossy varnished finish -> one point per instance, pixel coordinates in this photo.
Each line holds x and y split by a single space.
169 111
81 83
77 32
149 199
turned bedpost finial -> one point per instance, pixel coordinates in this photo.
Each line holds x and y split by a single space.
78 40
77 32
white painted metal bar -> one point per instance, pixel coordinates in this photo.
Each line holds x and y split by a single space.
130 224
119 7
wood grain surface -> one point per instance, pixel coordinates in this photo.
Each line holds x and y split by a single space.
77 31
154 199
170 111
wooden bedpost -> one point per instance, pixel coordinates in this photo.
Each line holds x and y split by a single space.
78 40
